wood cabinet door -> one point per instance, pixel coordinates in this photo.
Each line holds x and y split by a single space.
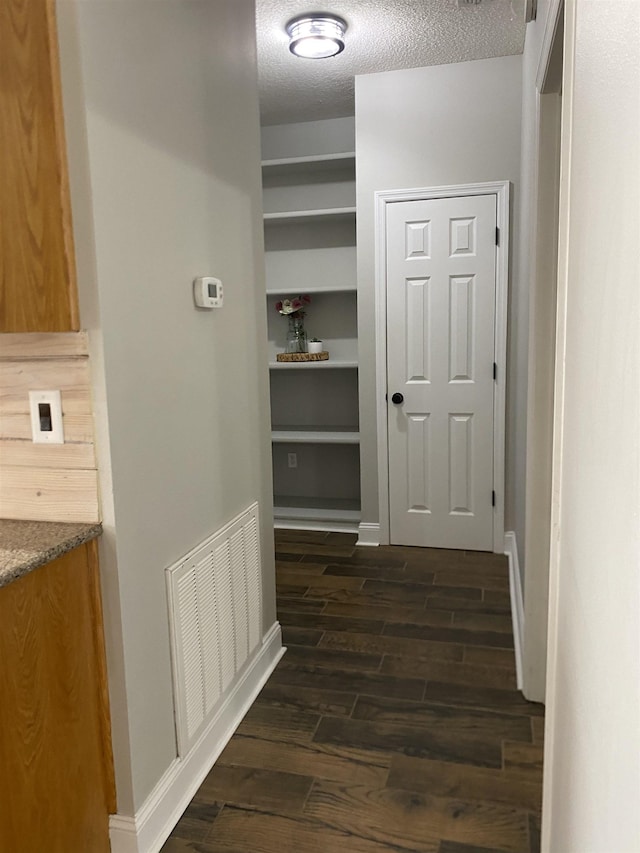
37 267
56 770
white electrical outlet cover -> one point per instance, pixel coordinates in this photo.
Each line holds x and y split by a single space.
54 435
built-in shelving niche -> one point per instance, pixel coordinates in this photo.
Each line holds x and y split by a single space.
310 241
327 477
332 317
310 255
309 399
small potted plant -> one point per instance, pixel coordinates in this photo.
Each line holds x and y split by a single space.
315 345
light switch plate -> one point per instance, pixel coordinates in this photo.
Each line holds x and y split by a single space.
38 401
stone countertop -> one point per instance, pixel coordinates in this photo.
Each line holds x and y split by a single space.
25 545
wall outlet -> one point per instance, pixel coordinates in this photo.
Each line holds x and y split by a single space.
292 460
46 417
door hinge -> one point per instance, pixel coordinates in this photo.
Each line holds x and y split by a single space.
495 371
497 236
386 397
493 498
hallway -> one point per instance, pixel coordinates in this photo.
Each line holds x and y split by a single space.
391 724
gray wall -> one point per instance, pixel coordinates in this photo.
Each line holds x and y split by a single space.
302 139
446 124
162 118
592 767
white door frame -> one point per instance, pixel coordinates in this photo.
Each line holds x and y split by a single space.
564 239
383 198
541 363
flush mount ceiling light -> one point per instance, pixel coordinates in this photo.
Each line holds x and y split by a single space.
316 36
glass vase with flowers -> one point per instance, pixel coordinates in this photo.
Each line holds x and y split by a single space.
294 310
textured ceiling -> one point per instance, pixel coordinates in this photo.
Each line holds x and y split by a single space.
383 35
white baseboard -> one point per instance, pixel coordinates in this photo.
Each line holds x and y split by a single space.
152 825
517 600
368 534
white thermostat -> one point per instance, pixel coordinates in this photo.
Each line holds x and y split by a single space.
207 292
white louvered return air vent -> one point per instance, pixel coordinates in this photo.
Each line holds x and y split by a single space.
215 615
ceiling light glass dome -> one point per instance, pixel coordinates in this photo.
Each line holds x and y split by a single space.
316 36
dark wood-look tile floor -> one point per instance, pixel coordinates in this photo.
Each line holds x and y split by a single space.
392 723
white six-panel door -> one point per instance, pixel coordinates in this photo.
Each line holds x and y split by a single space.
441 284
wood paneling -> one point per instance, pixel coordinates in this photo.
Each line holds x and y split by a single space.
25 454
61 345
37 268
49 494
47 482
78 427
57 788
69 376
408 723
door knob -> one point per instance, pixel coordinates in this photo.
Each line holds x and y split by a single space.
397 398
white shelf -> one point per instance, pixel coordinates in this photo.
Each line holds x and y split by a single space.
321 269
331 526
329 364
348 287
308 165
291 217
304 509
315 435
310 234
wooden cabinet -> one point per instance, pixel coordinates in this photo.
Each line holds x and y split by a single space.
37 268
55 748
310 241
